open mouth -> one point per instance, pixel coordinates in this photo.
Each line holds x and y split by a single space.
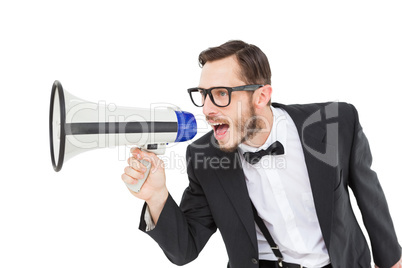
220 129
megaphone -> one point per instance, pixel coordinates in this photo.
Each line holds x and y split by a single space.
77 126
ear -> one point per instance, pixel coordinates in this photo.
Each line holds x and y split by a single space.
262 96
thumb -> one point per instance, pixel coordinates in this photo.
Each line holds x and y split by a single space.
155 161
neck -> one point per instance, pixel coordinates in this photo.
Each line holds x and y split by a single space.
265 121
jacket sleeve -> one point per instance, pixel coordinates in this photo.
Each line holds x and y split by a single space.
183 231
371 201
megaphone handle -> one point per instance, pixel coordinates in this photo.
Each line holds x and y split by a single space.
137 187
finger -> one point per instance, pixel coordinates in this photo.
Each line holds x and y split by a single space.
141 154
155 161
134 163
135 174
136 152
128 179
150 157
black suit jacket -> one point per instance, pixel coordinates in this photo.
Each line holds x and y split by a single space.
338 158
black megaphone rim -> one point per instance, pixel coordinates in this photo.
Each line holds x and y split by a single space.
57 86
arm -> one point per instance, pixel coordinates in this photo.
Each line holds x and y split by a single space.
397 265
181 232
371 201
154 191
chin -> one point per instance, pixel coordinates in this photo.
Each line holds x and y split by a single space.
227 146
228 149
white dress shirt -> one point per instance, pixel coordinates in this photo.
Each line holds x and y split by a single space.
279 187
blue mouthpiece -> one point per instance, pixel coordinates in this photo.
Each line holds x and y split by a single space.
186 126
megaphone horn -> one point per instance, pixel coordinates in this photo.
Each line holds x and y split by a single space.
76 126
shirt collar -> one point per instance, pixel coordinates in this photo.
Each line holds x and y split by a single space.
278 132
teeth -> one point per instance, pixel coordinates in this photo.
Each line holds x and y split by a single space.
214 124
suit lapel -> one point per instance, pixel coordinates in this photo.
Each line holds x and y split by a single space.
234 184
319 157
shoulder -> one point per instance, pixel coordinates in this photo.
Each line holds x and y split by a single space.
340 110
203 140
313 107
204 144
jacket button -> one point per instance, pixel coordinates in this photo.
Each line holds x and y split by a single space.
254 261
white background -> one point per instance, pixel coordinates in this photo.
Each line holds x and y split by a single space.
135 53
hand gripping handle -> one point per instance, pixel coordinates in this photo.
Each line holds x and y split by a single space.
137 187
157 148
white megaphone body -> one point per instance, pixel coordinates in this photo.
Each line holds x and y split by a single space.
76 126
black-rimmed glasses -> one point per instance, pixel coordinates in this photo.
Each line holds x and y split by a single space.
220 96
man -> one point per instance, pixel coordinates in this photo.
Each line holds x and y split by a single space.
288 168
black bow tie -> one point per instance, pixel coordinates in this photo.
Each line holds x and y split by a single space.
275 148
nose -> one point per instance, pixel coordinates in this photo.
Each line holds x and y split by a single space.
209 108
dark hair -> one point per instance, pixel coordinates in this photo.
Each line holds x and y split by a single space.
254 65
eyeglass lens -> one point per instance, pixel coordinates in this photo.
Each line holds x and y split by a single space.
220 96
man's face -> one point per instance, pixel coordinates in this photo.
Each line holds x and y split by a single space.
237 122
